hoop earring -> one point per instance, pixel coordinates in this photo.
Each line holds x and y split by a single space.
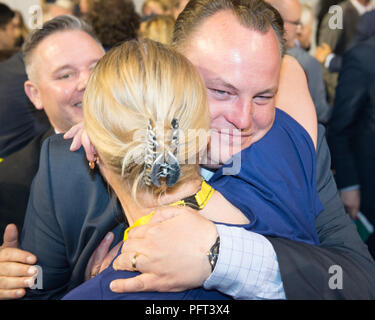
93 163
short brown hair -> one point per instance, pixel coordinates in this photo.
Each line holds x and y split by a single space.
58 24
254 14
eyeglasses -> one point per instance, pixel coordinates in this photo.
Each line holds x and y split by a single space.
298 24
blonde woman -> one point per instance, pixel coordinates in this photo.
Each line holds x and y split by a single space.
158 28
142 119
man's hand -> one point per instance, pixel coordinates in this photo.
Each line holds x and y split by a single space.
352 202
170 252
322 52
16 270
101 258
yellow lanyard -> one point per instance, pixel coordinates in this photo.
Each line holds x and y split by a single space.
201 198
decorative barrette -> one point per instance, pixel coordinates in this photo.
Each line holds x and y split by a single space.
159 165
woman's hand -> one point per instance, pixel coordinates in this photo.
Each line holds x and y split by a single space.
102 257
80 138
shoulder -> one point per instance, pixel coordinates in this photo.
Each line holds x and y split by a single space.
89 290
57 155
294 97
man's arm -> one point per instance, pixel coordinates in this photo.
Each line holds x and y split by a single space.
305 269
41 232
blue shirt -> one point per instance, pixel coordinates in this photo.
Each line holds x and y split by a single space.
280 200
276 185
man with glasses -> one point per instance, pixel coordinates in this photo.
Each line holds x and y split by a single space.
291 11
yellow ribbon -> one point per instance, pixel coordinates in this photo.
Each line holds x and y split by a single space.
141 221
202 197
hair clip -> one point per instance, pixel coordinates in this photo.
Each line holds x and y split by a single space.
150 153
158 166
165 168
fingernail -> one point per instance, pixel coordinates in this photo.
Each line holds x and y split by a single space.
30 259
108 236
73 145
19 293
30 282
32 270
113 286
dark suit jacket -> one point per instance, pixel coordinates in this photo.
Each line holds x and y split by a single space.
16 174
338 39
20 122
69 212
351 132
365 29
66 223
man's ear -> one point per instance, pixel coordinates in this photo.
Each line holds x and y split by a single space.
32 92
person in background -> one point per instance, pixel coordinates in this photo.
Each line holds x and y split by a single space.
113 21
178 6
21 29
157 28
351 132
304 34
7 32
156 7
83 7
291 11
57 73
54 8
322 8
365 29
339 38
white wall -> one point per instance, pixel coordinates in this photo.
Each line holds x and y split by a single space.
21 5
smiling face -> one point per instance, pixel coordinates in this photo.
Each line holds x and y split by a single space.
241 69
61 66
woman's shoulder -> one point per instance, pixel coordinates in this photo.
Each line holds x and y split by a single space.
294 96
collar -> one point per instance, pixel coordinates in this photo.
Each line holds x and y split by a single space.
197 201
361 8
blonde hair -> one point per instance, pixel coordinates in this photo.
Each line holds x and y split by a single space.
158 28
165 5
132 85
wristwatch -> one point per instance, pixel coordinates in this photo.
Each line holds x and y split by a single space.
213 254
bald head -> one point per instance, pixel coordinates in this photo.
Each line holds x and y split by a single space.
290 11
